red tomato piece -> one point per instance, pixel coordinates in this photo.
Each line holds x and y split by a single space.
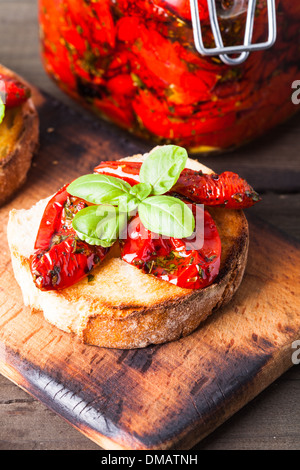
121 85
127 28
115 112
51 220
181 262
126 171
103 29
65 263
157 118
227 189
13 92
75 41
182 8
60 66
61 259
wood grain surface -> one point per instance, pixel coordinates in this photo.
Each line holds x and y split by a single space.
271 420
161 397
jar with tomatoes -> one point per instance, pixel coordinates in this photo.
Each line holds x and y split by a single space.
134 62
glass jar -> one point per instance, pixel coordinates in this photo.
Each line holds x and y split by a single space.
134 62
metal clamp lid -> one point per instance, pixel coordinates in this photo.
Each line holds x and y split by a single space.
243 50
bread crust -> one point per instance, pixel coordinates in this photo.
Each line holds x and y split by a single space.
123 307
14 167
176 316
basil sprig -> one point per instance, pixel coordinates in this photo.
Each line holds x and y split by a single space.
100 189
100 225
167 216
114 200
163 167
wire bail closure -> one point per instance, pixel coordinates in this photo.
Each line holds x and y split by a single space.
243 50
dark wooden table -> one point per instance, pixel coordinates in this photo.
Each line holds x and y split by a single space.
272 164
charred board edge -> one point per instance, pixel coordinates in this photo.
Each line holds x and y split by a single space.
82 416
271 370
63 401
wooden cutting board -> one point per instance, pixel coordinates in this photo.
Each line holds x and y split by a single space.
161 397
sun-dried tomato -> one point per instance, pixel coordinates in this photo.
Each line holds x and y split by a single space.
134 63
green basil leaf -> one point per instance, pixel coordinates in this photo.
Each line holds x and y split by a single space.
128 203
166 215
162 168
2 110
99 189
100 225
141 191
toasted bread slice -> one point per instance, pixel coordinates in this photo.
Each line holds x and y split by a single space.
19 135
123 307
